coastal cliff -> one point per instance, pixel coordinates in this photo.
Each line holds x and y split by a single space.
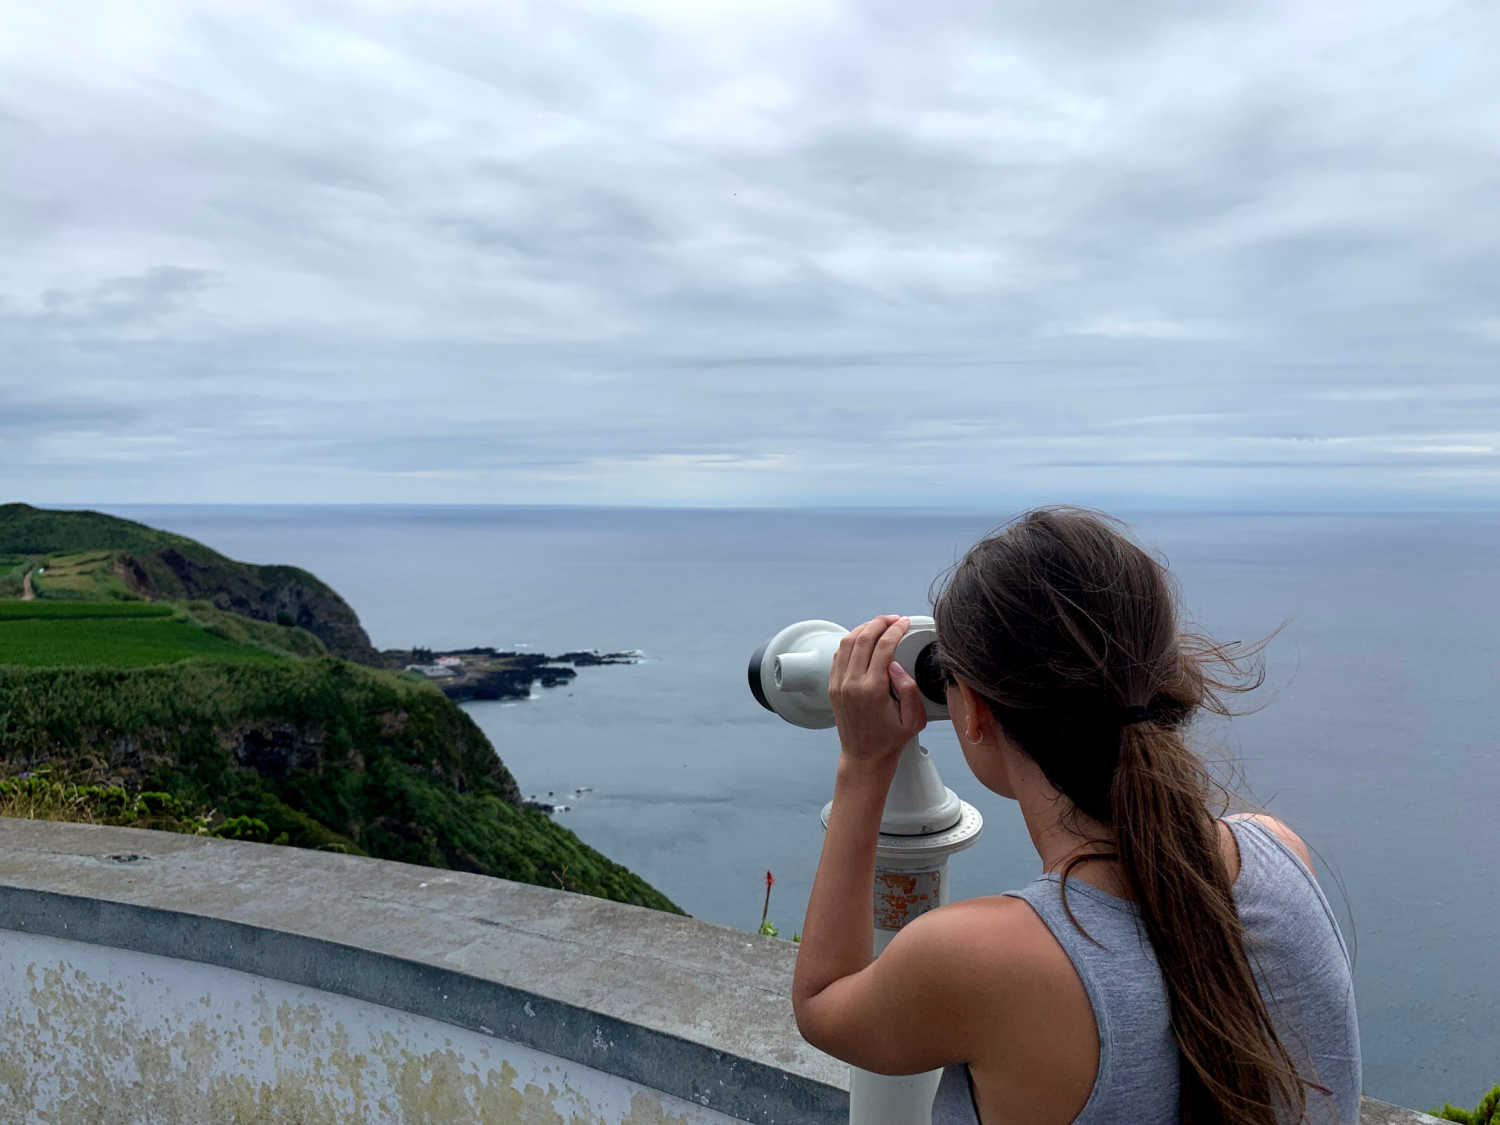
251 722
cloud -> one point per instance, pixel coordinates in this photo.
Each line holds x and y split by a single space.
732 254
1137 327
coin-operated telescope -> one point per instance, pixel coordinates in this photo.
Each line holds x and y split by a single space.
923 822
789 673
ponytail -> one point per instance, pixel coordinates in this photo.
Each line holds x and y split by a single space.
1235 1069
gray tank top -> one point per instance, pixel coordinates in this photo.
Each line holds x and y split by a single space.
1300 964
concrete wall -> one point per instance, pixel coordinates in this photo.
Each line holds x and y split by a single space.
162 978
94 1034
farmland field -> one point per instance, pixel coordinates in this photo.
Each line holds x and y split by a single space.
86 575
108 636
19 610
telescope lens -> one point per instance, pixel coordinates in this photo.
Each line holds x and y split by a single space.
756 688
929 677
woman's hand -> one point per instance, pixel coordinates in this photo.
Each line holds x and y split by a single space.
877 705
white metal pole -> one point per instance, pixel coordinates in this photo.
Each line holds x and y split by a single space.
898 1099
911 878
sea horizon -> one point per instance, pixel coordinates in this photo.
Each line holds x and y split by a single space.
966 509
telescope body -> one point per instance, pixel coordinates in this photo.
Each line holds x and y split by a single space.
922 824
789 673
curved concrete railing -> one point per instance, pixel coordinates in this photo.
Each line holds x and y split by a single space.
153 977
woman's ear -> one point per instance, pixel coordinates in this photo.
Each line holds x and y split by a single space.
979 723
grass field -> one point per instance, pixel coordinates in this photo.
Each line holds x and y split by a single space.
19 610
87 575
109 635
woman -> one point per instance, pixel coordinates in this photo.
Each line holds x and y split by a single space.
1168 965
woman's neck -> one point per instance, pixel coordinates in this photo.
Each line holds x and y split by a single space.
1061 834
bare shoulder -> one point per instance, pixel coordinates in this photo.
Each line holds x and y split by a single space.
1002 923
1030 1031
959 979
1282 832
997 947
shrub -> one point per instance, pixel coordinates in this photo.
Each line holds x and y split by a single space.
1487 1112
42 796
312 750
244 828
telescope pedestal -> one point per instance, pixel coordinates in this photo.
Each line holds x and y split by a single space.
911 878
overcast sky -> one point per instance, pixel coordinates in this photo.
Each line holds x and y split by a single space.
687 252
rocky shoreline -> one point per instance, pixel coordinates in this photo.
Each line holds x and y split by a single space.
483 673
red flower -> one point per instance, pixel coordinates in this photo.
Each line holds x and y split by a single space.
770 879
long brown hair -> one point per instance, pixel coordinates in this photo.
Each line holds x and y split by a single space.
1067 629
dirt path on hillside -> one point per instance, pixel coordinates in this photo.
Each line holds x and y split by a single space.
27 593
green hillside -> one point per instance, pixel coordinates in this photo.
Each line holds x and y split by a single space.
91 556
193 716
25 530
323 752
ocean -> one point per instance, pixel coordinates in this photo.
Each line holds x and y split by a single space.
1375 734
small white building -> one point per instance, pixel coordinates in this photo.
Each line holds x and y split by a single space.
433 671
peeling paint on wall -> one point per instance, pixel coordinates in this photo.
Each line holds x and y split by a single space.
94 1035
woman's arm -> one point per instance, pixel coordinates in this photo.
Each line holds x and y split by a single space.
902 1013
876 716
838 934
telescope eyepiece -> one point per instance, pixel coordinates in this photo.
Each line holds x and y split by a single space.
755 685
929 676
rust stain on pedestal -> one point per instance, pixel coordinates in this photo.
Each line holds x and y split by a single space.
901 896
